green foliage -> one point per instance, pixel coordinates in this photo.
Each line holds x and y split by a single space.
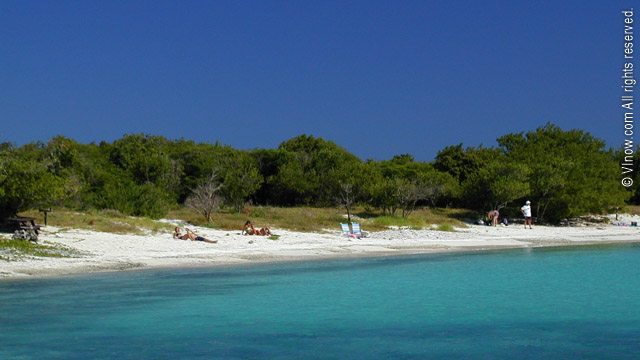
571 172
61 154
240 178
462 163
108 186
310 170
445 227
151 201
403 183
453 160
11 250
267 161
132 199
386 221
496 184
197 162
383 193
26 182
146 159
564 174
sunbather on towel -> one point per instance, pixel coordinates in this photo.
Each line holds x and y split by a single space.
249 229
190 235
265 231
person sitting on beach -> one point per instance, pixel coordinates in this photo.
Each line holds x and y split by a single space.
249 229
177 234
190 235
493 216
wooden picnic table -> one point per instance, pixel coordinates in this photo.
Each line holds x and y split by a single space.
23 227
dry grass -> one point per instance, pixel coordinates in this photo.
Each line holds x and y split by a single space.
100 220
420 219
318 219
295 218
306 219
632 209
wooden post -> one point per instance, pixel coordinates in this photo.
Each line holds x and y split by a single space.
45 211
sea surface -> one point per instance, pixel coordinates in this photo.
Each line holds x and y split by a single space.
570 303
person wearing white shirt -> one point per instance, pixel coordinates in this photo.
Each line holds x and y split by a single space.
526 211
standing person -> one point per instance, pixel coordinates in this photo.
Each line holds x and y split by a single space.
526 211
494 215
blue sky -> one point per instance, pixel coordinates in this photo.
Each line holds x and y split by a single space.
379 78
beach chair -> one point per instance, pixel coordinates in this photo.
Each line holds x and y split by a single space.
345 230
357 231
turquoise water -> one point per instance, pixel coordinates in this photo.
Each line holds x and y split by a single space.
567 303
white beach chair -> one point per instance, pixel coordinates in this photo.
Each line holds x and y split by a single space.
345 230
357 231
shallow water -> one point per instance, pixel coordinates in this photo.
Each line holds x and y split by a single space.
559 303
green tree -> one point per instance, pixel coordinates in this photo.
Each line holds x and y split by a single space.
26 183
267 161
436 186
146 159
195 162
349 185
571 171
496 185
404 183
384 193
462 163
308 171
240 178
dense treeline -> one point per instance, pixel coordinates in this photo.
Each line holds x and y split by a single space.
564 174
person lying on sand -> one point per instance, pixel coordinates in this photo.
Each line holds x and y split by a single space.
265 231
190 235
249 229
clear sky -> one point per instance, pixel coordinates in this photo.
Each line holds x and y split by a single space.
379 78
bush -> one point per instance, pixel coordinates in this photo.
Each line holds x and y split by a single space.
445 227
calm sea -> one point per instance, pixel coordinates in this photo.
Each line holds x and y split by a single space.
560 303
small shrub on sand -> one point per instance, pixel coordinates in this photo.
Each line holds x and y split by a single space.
388 221
16 249
445 227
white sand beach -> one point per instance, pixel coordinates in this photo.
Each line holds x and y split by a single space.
113 252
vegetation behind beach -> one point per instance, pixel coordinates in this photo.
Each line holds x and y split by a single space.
564 174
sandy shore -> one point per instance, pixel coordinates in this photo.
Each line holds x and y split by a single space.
110 252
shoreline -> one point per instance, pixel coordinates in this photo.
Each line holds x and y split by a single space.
105 252
401 253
